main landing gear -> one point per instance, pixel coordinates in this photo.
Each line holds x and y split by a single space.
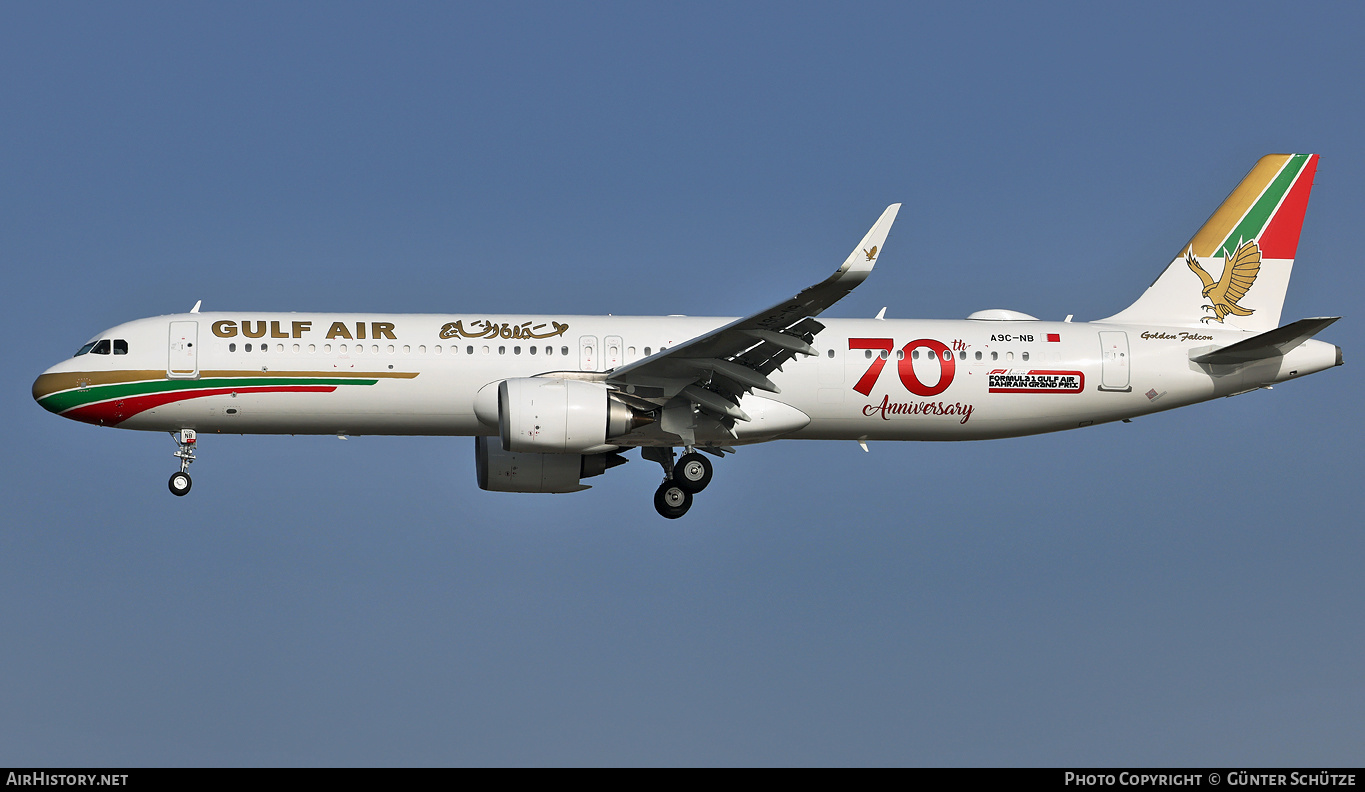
180 482
689 476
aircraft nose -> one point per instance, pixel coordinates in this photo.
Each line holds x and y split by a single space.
44 387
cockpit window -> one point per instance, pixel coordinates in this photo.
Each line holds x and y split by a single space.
85 349
120 346
101 348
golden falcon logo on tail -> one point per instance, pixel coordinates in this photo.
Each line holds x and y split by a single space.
1239 272
871 254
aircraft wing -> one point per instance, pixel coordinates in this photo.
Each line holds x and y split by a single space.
716 369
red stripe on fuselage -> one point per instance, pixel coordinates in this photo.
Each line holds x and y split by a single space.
115 411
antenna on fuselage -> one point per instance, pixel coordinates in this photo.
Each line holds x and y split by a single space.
197 303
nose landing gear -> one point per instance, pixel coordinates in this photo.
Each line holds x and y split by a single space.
689 476
185 440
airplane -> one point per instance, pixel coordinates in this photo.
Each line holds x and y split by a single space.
552 400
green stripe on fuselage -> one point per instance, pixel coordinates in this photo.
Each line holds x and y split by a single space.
1255 221
65 400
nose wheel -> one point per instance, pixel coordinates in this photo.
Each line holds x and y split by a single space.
185 441
180 483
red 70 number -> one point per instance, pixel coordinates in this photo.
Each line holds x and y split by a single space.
905 367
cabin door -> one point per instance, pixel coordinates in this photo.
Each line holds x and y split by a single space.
1114 374
183 359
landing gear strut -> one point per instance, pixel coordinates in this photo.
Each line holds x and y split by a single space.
689 476
185 440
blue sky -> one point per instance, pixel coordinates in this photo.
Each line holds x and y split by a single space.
1184 589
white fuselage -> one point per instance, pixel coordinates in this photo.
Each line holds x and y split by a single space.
419 374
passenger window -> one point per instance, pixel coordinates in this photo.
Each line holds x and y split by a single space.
1009 356
563 350
995 356
469 350
647 352
914 353
516 350
532 350
962 355
101 348
247 347
502 350
1024 356
867 353
885 354
120 346
978 355
831 354
232 347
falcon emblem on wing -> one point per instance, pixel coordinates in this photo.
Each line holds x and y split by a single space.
1239 272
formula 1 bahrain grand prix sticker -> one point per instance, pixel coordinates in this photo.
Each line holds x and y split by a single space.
1035 381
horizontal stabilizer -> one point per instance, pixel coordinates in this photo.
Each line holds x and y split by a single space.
1268 344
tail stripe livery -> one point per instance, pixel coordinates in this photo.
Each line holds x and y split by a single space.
1281 238
1212 280
1264 195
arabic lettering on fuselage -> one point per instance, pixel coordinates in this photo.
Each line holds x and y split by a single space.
482 328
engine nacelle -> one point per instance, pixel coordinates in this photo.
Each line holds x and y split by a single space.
511 471
561 416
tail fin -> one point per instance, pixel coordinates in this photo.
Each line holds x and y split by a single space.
1250 242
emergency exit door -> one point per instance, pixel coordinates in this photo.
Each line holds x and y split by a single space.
588 353
611 352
